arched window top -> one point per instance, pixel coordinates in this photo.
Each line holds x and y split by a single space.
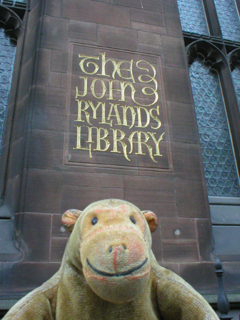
213 57
234 58
10 22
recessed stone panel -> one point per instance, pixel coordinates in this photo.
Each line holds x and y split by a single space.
116 110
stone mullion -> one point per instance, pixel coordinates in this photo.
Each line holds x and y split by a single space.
238 5
212 19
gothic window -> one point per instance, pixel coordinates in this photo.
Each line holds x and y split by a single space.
215 129
11 15
7 56
196 20
234 61
10 29
228 18
236 82
215 84
215 139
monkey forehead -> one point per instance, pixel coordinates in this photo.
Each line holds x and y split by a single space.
116 210
122 209
111 206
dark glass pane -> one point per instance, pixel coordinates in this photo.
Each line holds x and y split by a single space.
7 56
228 18
192 16
236 82
218 158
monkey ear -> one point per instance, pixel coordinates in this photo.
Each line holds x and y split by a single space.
69 218
152 219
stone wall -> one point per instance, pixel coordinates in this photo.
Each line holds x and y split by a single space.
52 170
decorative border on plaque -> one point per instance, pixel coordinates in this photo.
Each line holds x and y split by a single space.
116 110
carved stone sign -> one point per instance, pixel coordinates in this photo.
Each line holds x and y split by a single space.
116 111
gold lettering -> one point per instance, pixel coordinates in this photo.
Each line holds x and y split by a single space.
116 68
94 109
152 134
103 138
78 144
84 88
104 89
88 64
81 109
139 143
116 140
140 115
130 70
111 90
104 62
125 122
123 86
155 117
90 140
152 92
140 125
104 115
116 115
149 79
130 139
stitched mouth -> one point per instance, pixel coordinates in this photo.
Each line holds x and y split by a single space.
117 274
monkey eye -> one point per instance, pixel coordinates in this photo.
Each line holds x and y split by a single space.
133 220
94 220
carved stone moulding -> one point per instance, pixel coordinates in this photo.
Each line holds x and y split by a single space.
213 57
10 22
234 58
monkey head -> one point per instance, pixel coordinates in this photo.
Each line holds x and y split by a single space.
111 241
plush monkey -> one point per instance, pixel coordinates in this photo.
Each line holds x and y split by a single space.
109 272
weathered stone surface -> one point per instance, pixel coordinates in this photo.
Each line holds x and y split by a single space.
46 175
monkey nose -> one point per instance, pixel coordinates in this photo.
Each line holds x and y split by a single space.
118 247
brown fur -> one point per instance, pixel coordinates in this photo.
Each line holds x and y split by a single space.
109 272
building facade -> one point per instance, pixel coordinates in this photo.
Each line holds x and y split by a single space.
136 100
